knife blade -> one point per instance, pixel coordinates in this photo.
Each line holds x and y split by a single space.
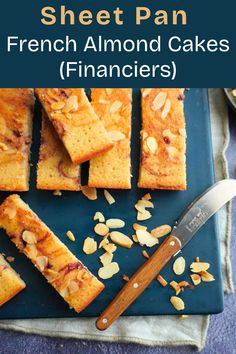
195 216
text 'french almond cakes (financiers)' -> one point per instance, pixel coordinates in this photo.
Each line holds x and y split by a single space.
163 140
75 121
16 115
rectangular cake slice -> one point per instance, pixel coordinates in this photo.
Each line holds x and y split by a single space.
163 140
61 268
16 113
10 282
75 121
113 168
55 169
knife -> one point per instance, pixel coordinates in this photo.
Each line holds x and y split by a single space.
194 217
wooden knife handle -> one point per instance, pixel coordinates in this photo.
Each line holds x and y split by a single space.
139 281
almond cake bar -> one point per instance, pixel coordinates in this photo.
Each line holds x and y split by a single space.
113 168
16 114
163 140
61 268
75 121
55 170
10 282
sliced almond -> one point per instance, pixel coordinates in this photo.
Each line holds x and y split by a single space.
207 277
161 280
159 101
90 245
196 279
106 258
89 192
51 274
139 227
125 277
108 271
145 215
29 237
185 284
57 193
145 254
31 251
99 216
197 267
108 197
116 105
161 231
182 132
121 239
147 196
179 266
71 104
70 235
42 262
73 287
115 135
142 203
115 223
145 238
152 144
177 303
104 242
173 153
56 106
10 212
176 287
166 109
110 248
101 229
135 238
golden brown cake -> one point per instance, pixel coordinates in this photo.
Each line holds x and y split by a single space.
16 112
53 259
55 170
113 168
75 121
163 140
10 282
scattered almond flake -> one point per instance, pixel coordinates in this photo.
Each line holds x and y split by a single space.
29 237
166 109
31 251
146 92
144 203
145 238
101 229
115 223
42 262
57 105
102 101
207 277
144 216
115 135
197 267
125 277
197 259
90 245
108 271
185 284
106 258
161 231
145 254
99 216
152 144
71 104
104 242
109 197
173 153
183 317
179 266
182 132
139 227
121 239
63 292
89 192
177 303
161 280
73 287
110 248
51 275
10 212
3 147
196 279
159 101
10 259
70 235
57 193
115 106
135 238
175 286
147 197
108 91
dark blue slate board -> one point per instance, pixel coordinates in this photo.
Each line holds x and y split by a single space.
73 211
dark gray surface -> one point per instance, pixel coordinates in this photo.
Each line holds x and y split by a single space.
221 337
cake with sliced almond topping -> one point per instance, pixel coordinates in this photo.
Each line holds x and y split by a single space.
113 168
10 282
163 140
75 121
55 169
61 268
16 114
